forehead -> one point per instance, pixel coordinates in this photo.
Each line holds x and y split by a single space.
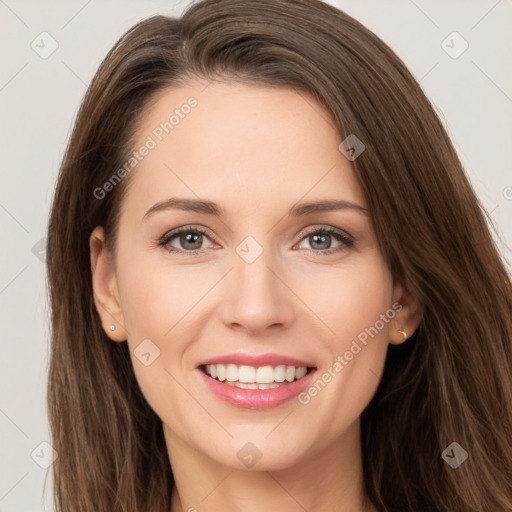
245 143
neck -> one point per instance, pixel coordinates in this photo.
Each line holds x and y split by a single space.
328 479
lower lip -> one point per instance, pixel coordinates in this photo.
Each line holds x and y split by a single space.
257 399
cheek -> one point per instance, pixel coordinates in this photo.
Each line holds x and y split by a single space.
156 301
353 304
348 300
156 297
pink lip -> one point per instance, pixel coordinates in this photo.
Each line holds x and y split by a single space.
257 399
257 361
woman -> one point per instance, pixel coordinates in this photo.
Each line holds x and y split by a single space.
272 285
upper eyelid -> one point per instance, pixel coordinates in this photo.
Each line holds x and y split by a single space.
200 228
323 227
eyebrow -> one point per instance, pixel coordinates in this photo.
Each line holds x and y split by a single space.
211 208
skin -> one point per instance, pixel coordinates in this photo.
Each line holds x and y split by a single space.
256 152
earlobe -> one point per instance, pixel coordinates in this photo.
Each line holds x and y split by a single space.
407 318
104 283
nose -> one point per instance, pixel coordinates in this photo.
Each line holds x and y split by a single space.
257 298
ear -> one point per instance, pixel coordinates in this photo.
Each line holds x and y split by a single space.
407 318
104 284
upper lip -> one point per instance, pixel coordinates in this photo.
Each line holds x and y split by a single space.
257 361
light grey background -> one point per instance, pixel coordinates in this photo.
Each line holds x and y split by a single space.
38 102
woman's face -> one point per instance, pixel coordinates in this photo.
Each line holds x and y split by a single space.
256 280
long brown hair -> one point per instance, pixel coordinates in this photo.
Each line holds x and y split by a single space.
451 382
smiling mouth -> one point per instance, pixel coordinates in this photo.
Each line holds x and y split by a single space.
250 377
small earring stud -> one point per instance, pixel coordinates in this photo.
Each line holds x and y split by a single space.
112 327
403 333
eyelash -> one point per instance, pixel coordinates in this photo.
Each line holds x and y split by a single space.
346 241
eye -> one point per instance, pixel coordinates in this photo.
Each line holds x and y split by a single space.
190 240
185 240
320 240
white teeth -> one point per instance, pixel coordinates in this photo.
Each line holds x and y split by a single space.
249 377
247 374
280 373
243 385
299 372
232 372
221 371
265 375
